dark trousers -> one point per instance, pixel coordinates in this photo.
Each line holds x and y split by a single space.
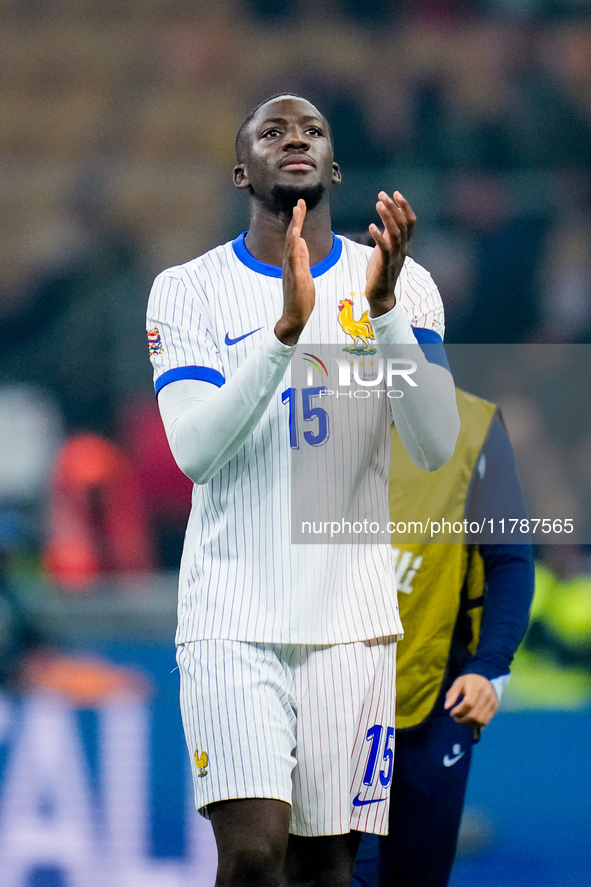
431 768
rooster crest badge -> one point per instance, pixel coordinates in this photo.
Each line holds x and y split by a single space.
360 330
202 761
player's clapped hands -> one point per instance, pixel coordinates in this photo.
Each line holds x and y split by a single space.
390 251
299 293
479 702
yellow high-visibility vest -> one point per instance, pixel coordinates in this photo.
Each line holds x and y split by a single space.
434 579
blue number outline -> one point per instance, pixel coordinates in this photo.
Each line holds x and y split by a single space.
388 756
310 414
315 413
373 735
290 395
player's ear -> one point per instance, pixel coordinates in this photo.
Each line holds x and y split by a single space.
336 174
240 176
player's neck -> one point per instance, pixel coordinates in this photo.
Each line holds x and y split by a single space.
266 234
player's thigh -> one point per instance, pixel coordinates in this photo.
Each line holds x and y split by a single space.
238 714
321 860
430 776
251 836
346 702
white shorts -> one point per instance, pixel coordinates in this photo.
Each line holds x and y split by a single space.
309 725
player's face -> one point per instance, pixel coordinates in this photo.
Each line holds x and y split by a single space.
288 145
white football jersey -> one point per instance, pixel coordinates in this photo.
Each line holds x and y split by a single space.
241 577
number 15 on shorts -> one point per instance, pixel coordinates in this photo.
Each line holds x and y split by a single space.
381 752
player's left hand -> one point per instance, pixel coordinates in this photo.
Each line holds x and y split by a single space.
387 259
479 702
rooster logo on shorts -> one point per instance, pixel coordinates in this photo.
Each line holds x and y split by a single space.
202 761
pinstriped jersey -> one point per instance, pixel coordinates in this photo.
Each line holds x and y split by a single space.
241 578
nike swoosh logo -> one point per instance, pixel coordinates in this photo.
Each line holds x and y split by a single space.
357 802
230 341
449 762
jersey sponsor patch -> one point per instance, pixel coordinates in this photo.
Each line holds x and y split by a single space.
155 342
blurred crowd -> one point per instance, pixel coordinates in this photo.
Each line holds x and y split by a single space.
117 123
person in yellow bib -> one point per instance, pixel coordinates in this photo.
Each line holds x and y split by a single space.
464 607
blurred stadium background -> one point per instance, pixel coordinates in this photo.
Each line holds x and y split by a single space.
117 122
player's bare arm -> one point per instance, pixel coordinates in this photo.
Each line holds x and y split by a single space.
479 703
299 293
391 249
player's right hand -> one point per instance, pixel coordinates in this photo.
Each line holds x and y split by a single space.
387 260
472 700
299 294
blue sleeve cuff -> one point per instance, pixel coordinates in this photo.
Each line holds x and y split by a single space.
201 374
490 670
431 346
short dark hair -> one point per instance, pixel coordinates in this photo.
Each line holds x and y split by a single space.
239 144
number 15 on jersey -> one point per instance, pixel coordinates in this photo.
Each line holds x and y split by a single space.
319 432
